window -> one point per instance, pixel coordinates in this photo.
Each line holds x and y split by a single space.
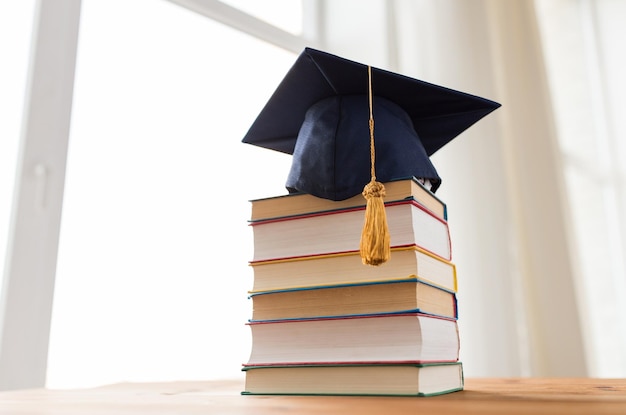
285 14
152 274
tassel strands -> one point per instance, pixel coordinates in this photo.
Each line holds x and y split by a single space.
375 241
375 246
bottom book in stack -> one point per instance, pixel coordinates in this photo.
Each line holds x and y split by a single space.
363 379
400 352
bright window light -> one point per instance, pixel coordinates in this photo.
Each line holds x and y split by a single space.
152 274
16 23
285 14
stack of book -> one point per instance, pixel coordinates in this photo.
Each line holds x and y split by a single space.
324 323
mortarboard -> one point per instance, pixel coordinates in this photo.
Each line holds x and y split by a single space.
319 114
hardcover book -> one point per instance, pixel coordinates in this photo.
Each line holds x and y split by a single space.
340 231
366 298
390 338
301 203
347 267
380 379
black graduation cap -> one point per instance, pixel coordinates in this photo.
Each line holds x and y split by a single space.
319 113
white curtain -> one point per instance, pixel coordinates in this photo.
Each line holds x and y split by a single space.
529 301
585 61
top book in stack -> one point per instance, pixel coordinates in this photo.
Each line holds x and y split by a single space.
339 230
302 203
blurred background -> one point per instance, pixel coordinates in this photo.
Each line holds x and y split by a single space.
124 185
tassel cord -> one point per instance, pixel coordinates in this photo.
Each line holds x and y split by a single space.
375 244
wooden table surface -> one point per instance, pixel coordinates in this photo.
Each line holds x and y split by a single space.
481 396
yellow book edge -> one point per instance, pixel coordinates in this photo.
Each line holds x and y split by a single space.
343 254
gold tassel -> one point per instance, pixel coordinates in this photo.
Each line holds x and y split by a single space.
375 244
375 240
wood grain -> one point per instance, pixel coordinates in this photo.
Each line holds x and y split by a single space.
481 396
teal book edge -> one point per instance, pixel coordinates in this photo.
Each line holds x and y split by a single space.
353 284
377 364
339 316
356 394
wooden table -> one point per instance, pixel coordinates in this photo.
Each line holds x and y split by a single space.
481 396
